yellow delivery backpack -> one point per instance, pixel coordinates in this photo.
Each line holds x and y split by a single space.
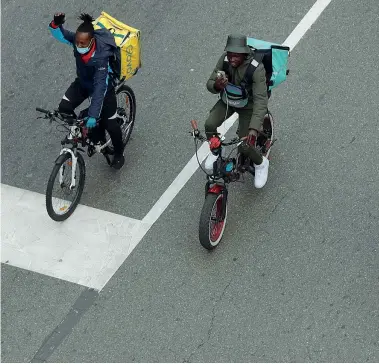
128 40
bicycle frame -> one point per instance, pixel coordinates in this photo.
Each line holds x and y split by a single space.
216 182
222 160
75 132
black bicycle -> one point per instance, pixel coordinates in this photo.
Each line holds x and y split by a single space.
226 169
77 138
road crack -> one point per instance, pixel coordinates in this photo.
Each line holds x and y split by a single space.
279 202
211 324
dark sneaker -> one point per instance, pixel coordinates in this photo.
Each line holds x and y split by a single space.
118 161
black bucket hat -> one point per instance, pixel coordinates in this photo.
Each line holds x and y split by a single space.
237 43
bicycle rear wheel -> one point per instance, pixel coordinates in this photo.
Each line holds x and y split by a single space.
268 129
64 163
126 108
212 220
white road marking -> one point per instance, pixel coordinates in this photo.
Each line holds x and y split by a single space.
314 12
89 247
86 249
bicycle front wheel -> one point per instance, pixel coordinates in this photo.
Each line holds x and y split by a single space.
58 191
212 220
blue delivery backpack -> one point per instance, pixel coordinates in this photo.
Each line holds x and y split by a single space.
274 58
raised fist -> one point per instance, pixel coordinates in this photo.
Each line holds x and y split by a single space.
59 18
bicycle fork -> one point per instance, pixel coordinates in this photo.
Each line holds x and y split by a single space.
74 162
218 189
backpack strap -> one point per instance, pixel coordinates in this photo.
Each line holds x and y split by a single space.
247 78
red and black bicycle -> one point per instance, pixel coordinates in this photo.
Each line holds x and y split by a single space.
226 169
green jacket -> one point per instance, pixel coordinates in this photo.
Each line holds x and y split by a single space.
258 99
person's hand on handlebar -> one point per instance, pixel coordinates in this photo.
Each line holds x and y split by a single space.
91 123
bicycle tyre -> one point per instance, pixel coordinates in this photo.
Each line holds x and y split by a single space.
205 221
132 99
50 186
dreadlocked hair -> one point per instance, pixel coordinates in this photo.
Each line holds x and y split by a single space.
86 26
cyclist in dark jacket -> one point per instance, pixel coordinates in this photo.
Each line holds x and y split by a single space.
92 51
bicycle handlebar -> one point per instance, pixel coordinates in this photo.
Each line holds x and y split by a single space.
196 134
194 124
62 116
42 110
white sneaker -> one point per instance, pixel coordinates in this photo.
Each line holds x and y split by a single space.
261 173
208 165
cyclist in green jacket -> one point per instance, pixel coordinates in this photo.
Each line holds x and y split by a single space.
247 97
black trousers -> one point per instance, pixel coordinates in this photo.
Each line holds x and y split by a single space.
76 95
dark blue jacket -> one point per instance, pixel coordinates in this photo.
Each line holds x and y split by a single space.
95 76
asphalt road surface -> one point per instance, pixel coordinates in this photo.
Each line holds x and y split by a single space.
296 277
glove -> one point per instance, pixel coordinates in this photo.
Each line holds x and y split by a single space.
91 123
59 19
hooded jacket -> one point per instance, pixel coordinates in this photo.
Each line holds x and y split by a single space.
257 88
95 76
